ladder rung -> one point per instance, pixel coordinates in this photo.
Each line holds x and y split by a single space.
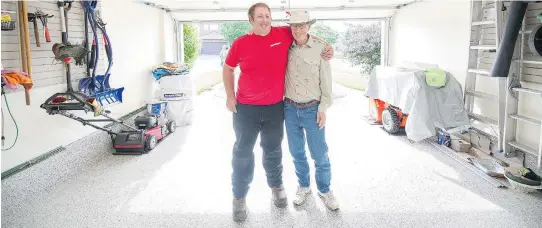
483 119
526 119
525 31
527 90
528 61
483 22
481 95
483 47
523 147
479 71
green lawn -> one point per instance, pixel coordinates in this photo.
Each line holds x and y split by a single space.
346 75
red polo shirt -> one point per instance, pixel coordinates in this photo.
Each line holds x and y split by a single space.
262 60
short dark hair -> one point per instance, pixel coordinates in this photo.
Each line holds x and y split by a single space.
253 8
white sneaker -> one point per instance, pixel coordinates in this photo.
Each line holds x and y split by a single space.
301 195
329 200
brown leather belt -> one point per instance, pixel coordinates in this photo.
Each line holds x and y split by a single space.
301 105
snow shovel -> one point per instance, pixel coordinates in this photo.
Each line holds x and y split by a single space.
98 86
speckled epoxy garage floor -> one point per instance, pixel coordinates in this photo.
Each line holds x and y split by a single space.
380 180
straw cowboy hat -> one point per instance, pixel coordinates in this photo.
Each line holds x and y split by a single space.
300 17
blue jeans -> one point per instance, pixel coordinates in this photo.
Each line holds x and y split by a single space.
248 122
301 122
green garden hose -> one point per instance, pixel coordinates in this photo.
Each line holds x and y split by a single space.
3 123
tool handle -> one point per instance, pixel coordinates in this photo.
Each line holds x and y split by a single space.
27 96
36 33
92 54
107 50
47 36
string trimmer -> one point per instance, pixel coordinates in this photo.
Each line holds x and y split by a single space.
65 52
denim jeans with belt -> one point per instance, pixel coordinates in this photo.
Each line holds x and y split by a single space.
248 122
301 122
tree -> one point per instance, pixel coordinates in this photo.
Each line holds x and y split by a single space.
362 45
192 43
325 32
231 30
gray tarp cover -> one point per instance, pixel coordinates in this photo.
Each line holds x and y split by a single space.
427 107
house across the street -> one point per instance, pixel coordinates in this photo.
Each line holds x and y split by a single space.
211 39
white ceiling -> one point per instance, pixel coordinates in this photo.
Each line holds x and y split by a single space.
228 10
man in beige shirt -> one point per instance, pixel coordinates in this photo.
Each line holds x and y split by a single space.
307 97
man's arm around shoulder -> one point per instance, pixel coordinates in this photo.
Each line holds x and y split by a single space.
328 52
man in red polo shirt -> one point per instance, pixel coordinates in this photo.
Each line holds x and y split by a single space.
258 104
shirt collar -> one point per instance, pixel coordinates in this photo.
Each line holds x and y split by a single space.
309 43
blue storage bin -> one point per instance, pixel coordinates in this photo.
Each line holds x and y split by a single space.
158 108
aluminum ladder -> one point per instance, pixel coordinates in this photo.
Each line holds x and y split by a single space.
478 20
516 89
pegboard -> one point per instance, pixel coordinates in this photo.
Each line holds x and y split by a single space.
47 71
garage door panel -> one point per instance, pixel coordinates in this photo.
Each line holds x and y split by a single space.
212 47
320 15
228 5
236 10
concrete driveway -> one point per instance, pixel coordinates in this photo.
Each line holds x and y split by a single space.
207 71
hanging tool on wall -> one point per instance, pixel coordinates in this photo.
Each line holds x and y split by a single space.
67 7
65 52
98 85
45 27
32 17
24 41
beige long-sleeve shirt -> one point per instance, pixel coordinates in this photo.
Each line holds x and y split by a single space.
308 76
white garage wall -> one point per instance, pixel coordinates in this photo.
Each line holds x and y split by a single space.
438 32
433 32
139 37
169 49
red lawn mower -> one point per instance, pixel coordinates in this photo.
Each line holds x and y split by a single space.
153 127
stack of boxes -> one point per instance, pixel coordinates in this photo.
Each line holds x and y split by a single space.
460 145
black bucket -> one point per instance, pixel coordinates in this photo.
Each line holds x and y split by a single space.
502 63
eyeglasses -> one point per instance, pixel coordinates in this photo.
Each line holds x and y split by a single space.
299 26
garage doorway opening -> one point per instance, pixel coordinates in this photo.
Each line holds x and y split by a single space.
358 46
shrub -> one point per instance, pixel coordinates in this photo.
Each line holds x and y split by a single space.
362 46
192 44
231 30
325 32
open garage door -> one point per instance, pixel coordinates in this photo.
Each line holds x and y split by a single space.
235 10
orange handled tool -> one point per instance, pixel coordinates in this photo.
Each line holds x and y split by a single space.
47 36
43 17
